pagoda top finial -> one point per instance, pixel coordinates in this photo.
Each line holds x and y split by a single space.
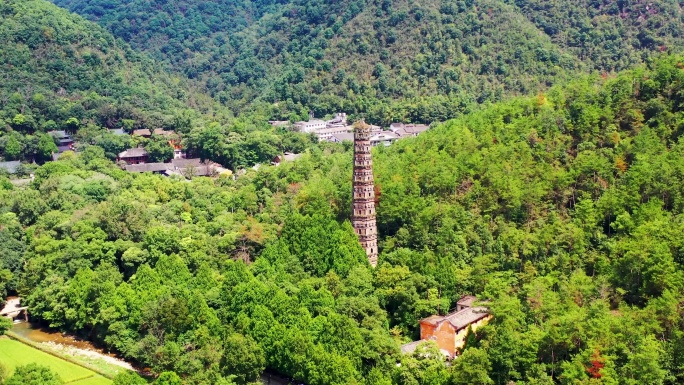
361 125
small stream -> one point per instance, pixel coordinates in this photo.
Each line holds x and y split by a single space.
37 334
67 344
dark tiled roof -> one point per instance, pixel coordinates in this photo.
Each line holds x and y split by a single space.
161 131
288 156
183 163
433 319
61 150
203 170
10 167
459 319
59 134
148 167
279 123
467 316
413 129
65 142
185 167
467 300
408 129
143 132
133 153
410 347
385 135
345 136
62 137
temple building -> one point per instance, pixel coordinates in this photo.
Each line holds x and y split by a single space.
450 331
363 202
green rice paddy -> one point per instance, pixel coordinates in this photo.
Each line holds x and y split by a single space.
14 353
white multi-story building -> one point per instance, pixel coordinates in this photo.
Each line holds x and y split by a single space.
310 126
326 134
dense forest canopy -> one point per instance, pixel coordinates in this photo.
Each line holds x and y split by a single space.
389 60
563 209
58 66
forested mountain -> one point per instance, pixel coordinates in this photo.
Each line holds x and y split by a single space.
62 72
610 35
391 60
565 210
58 66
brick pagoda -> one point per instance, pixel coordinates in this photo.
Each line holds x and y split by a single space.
363 205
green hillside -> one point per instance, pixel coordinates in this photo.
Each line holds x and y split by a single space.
61 72
564 209
391 60
610 35
57 66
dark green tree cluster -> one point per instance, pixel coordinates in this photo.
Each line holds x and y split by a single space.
564 210
241 143
31 374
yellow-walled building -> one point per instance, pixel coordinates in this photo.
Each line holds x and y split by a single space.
449 331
